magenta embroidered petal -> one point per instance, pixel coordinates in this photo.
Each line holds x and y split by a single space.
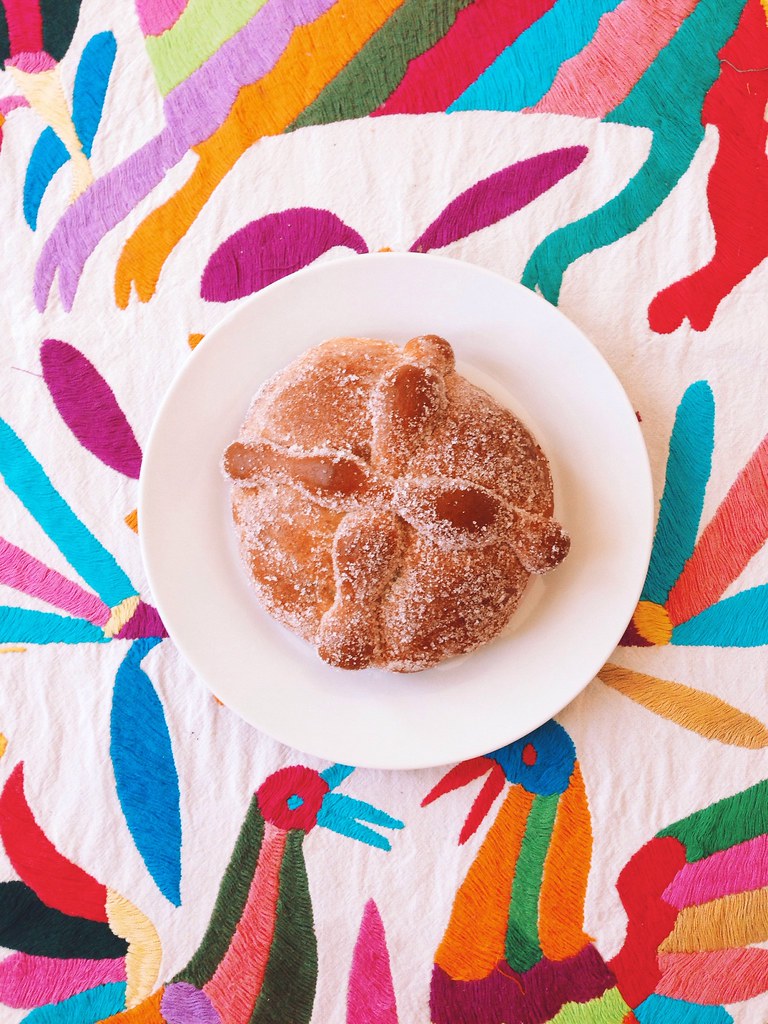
272 247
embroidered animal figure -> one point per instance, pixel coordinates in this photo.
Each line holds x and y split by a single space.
219 78
257 960
662 87
737 190
258 69
515 946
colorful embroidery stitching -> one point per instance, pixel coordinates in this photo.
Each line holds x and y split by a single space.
536 58
278 244
515 947
681 603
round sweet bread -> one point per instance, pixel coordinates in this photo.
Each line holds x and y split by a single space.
388 511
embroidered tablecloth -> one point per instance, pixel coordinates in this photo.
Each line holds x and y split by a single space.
161 860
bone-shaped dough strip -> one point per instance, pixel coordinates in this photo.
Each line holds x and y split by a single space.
456 513
335 479
367 549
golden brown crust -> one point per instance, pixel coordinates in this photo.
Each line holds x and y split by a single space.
389 511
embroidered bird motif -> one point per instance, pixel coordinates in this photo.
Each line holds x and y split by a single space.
515 948
257 961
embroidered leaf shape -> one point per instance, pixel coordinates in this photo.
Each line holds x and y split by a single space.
89 93
719 975
735 819
28 480
701 712
89 1007
272 247
493 198
29 626
88 406
90 89
28 925
688 468
145 771
59 20
48 156
370 993
56 880
27 574
27 981
733 536
738 621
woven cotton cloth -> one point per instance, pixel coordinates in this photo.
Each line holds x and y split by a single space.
163 861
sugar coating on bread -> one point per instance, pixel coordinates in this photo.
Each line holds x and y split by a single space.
387 510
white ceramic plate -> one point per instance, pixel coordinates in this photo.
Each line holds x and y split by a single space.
506 339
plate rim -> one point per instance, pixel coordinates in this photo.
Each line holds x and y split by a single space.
210 339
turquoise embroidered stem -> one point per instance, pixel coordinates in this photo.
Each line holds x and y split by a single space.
26 626
668 99
688 468
738 621
26 478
